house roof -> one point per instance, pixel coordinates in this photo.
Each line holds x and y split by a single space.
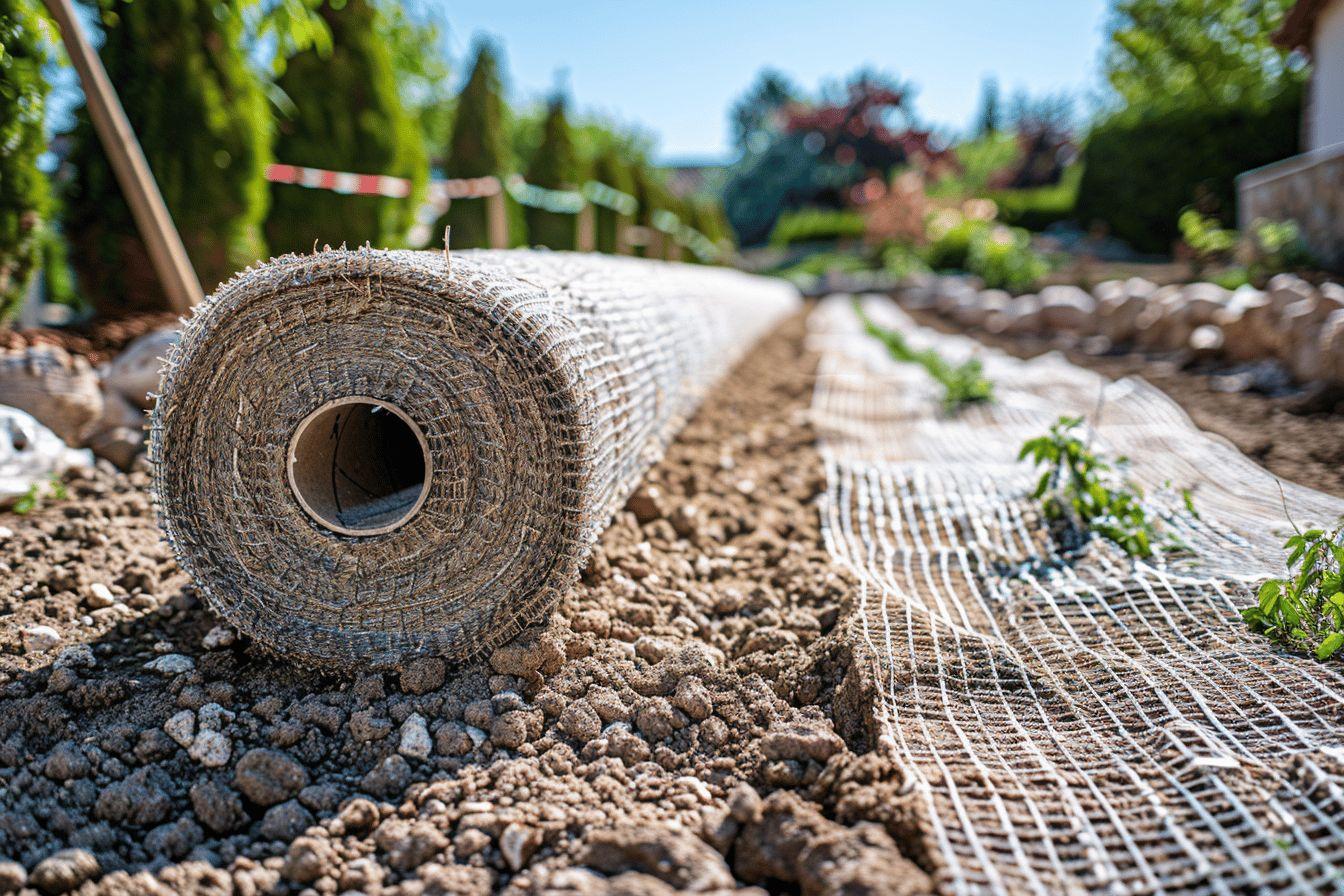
1300 24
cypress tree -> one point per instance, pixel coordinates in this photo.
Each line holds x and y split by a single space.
200 112
477 147
554 167
25 196
611 169
347 115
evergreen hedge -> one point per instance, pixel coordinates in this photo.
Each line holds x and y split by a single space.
611 169
347 116
476 148
555 167
25 196
1141 167
201 114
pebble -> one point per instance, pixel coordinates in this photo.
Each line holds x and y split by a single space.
171 664
12 875
211 749
219 637
181 727
415 741
40 638
423 675
517 844
267 777
98 596
285 821
64 871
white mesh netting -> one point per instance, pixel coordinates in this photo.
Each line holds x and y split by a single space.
1083 723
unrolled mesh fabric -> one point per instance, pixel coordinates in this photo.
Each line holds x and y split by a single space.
543 384
1073 723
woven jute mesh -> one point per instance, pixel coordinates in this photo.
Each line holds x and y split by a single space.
543 386
1074 720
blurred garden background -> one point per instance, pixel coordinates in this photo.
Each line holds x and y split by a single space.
276 126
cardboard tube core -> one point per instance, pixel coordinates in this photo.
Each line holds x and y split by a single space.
359 466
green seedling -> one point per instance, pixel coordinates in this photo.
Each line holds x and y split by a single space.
962 384
1080 489
1305 610
32 499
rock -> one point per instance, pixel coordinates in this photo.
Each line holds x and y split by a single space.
1201 302
64 871
1331 346
529 656
517 844
12 876
285 821
415 741
1206 341
134 373
646 503
1021 318
1068 309
1247 326
66 762
137 799
409 845
76 656
40 638
813 739
307 859
1287 289
423 675
58 389
359 815
388 778
217 806
219 637
676 857
181 727
171 664
580 721
173 840
119 432
267 777
452 740
211 749
30 454
98 595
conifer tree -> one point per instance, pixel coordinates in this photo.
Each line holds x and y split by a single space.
346 115
554 167
200 112
477 147
25 196
611 169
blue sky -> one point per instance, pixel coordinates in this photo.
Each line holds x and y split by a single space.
676 68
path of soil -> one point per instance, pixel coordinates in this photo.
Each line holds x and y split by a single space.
686 722
1307 448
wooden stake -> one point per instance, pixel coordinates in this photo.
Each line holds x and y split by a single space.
585 229
152 219
497 220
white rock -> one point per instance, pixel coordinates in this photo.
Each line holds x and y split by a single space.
1068 308
171 664
213 717
211 749
40 638
59 389
1202 301
1287 289
415 740
1331 346
219 637
181 727
76 656
517 844
1206 341
478 736
98 596
30 454
135 372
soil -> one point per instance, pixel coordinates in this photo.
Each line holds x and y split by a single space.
1296 434
688 720
98 340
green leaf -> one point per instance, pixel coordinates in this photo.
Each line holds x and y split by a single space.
1330 646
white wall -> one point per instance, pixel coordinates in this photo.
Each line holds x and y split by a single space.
1326 123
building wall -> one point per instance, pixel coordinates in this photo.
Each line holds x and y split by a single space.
1326 123
1309 189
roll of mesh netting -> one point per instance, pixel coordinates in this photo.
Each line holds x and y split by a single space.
362 456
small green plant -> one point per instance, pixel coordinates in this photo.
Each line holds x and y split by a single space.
1080 489
1207 240
962 384
38 492
811 225
1004 259
1305 610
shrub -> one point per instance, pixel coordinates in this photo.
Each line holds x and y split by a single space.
1143 165
476 148
811 225
1037 208
1305 610
196 103
1004 259
903 260
951 241
347 116
25 196
610 169
554 166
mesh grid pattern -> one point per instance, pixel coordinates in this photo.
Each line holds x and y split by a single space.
545 384
1081 723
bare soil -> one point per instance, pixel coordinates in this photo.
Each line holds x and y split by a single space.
1296 434
687 721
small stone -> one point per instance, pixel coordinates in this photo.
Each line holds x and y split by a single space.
308 858
469 842
366 726
285 821
267 777
181 727
174 840
12 875
415 741
64 871
423 675
40 638
388 778
646 503
76 656
452 740
517 844
808 739
217 806
98 595
67 762
580 721
219 637
744 804
652 649
171 664
359 815
211 749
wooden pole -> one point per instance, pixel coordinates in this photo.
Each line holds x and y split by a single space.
585 227
497 220
152 219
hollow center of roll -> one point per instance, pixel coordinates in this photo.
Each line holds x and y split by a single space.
359 466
